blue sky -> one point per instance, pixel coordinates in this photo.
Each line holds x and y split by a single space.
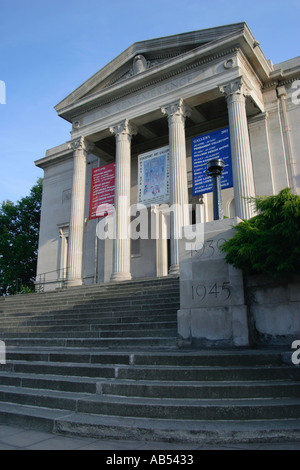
50 47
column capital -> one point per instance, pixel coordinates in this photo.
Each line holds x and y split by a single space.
235 88
176 109
123 128
80 144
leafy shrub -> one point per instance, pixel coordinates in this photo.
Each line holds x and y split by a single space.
19 234
268 243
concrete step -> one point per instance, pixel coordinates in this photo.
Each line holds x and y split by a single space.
187 431
56 399
205 373
155 373
31 417
220 358
161 408
52 385
69 299
125 289
103 361
64 369
84 312
42 382
98 308
78 327
100 333
152 389
69 355
125 428
178 358
190 409
114 342
113 318
201 390
101 294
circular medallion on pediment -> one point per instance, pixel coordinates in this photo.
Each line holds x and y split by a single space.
229 63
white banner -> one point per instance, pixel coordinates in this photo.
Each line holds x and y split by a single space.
154 177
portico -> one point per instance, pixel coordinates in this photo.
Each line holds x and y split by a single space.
157 93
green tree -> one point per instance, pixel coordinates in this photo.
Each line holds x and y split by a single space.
268 243
19 231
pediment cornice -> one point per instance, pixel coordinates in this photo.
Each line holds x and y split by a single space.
119 79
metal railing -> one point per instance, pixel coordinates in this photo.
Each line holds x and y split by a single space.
60 279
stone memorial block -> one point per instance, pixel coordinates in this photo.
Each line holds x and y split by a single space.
212 305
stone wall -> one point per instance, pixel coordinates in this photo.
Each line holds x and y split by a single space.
273 310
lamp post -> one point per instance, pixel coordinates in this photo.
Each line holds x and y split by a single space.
214 169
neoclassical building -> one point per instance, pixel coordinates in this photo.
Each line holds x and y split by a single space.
157 98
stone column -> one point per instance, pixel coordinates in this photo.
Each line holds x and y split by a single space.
76 229
290 161
242 169
121 252
201 209
161 213
179 217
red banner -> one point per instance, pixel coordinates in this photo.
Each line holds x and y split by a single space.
102 191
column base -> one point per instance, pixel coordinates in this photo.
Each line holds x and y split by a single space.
74 282
174 270
117 277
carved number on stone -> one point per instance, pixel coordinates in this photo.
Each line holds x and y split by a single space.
200 292
209 245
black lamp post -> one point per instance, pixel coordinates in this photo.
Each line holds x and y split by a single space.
214 169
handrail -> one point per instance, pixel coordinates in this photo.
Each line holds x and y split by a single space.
41 280
54 271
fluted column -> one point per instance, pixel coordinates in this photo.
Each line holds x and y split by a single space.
121 252
242 169
179 216
76 229
290 161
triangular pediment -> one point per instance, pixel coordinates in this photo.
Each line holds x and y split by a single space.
144 56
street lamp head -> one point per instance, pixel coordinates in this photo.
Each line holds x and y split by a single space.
215 167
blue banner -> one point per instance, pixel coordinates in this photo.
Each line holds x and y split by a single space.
207 147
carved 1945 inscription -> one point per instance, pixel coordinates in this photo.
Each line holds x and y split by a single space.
220 291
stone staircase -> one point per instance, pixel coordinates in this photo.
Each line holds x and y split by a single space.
103 361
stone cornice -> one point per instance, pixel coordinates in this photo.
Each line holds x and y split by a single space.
278 83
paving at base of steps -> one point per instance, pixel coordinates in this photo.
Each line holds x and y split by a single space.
18 438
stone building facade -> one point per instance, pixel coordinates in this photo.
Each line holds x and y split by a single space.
162 93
